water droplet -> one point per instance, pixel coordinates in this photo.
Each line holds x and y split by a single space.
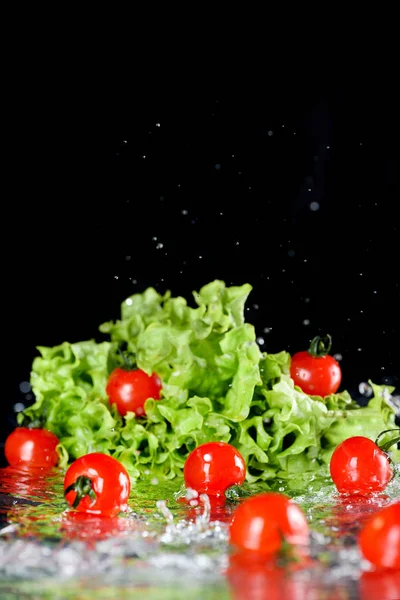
260 341
236 243
365 389
306 322
129 301
124 141
158 125
143 156
270 133
116 277
128 257
338 356
218 166
314 206
162 198
328 147
359 349
306 299
18 407
25 387
159 246
184 212
267 329
291 253
256 306
154 481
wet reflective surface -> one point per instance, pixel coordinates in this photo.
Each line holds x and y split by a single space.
166 547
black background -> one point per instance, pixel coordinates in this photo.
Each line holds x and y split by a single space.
173 190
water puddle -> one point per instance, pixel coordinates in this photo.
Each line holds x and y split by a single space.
174 544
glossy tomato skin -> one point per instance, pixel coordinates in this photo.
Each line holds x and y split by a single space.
359 466
315 375
379 540
213 467
33 447
380 583
110 483
129 390
262 521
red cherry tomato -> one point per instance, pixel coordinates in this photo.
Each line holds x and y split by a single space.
262 522
213 467
129 390
315 371
97 483
359 466
33 447
379 540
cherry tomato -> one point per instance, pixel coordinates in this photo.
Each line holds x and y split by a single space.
97 483
315 371
379 540
262 522
359 466
129 390
33 447
213 467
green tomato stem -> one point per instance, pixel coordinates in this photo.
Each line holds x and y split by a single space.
320 346
82 487
386 447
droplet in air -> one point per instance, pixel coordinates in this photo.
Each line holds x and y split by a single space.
365 389
184 212
260 341
18 407
128 301
159 246
314 206
128 257
270 133
116 277
267 329
291 253
25 387
306 322
218 166
338 357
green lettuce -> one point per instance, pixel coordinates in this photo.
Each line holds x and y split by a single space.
216 385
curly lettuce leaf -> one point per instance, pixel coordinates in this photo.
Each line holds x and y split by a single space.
68 382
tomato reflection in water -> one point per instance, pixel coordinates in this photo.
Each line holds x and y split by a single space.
91 528
250 578
349 513
220 510
380 585
31 483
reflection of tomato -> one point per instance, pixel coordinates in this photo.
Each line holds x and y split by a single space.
262 522
379 540
92 528
380 585
97 483
219 510
359 466
254 580
34 447
33 483
213 467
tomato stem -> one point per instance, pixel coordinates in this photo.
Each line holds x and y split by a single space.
82 487
320 346
385 447
128 364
